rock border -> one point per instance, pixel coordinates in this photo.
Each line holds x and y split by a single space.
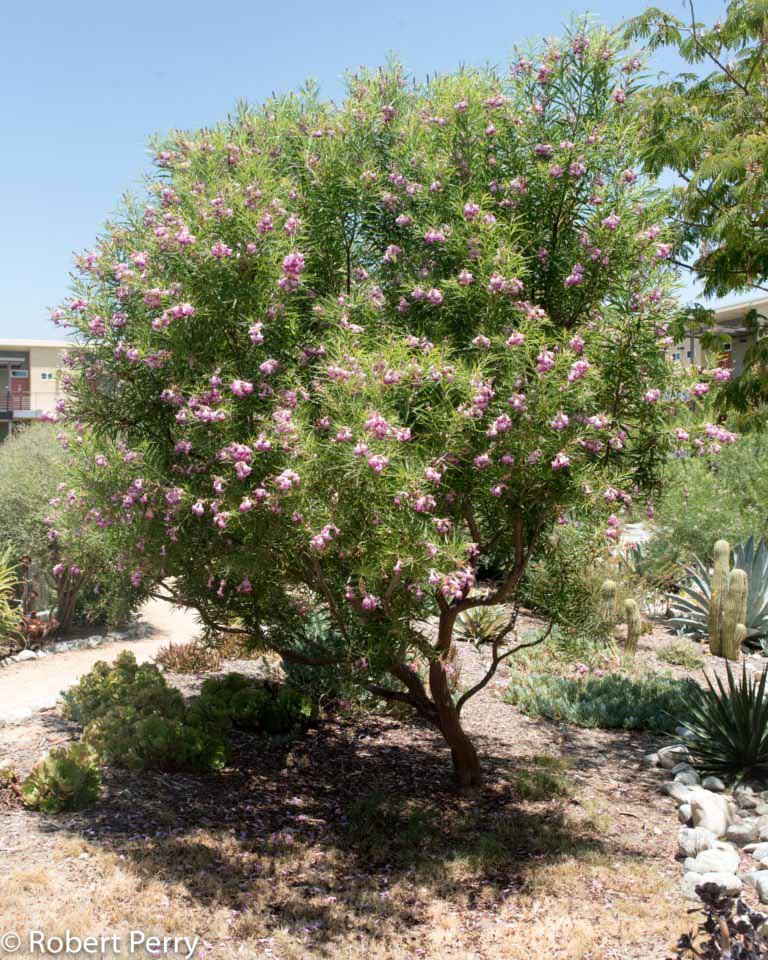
137 630
724 834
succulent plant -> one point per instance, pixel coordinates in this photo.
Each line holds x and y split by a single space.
691 607
634 624
733 615
608 601
66 779
721 567
480 625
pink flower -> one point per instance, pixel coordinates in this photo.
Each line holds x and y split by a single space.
545 361
465 278
471 210
378 462
576 344
241 388
220 250
268 367
560 421
496 283
652 395
578 370
293 265
700 389
721 374
515 339
198 508
481 342
611 222
435 297
561 461
254 332
482 461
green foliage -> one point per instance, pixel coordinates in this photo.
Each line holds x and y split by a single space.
34 466
707 500
733 628
239 701
10 613
385 830
681 653
728 725
190 657
66 779
691 606
129 737
119 684
564 583
612 701
132 718
480 625
711 128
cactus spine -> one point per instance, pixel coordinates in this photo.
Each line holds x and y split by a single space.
608 601
734 614
634 624
719 584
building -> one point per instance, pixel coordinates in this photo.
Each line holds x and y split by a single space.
739 323
29 380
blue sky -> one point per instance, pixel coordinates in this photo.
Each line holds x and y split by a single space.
83 84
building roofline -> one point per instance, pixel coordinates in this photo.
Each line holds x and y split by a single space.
21 344
736 310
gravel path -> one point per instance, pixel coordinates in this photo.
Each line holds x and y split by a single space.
37 684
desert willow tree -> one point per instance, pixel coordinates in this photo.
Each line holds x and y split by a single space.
345 352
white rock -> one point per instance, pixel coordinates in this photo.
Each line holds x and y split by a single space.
670 756
652 759
744 832
758 850
715 784
692 840
714 860
713 811
688 778
684 813
678 791
25 655
729 883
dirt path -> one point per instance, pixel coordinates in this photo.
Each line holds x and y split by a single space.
37 684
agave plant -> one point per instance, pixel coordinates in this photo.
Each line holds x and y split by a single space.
690 607
480 625
727 727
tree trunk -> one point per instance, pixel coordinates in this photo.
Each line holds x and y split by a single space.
466 763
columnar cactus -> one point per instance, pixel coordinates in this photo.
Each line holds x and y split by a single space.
719 585
608 601
634 624
734 614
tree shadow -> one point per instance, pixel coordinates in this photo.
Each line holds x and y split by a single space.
344 813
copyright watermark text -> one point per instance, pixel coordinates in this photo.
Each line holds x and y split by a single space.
135 942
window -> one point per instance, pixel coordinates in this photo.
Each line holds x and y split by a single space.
46 376
20 374
689 354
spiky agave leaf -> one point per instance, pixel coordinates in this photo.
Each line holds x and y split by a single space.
728 726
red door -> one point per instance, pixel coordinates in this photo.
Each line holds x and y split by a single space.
20 389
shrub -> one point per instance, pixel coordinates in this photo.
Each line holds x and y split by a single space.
728 726
705 500
66 779
10 612
241 702
191 657
132 718
124 683
130 737
347 350
612 701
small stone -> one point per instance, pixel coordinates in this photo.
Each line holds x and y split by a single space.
678 791
688 778
680 768
692 840
746 831
672 755
745 798
715 860
761 810
684 813
683 732
688 885
758 850
652 759
715 784
25 655
761 885
728 882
